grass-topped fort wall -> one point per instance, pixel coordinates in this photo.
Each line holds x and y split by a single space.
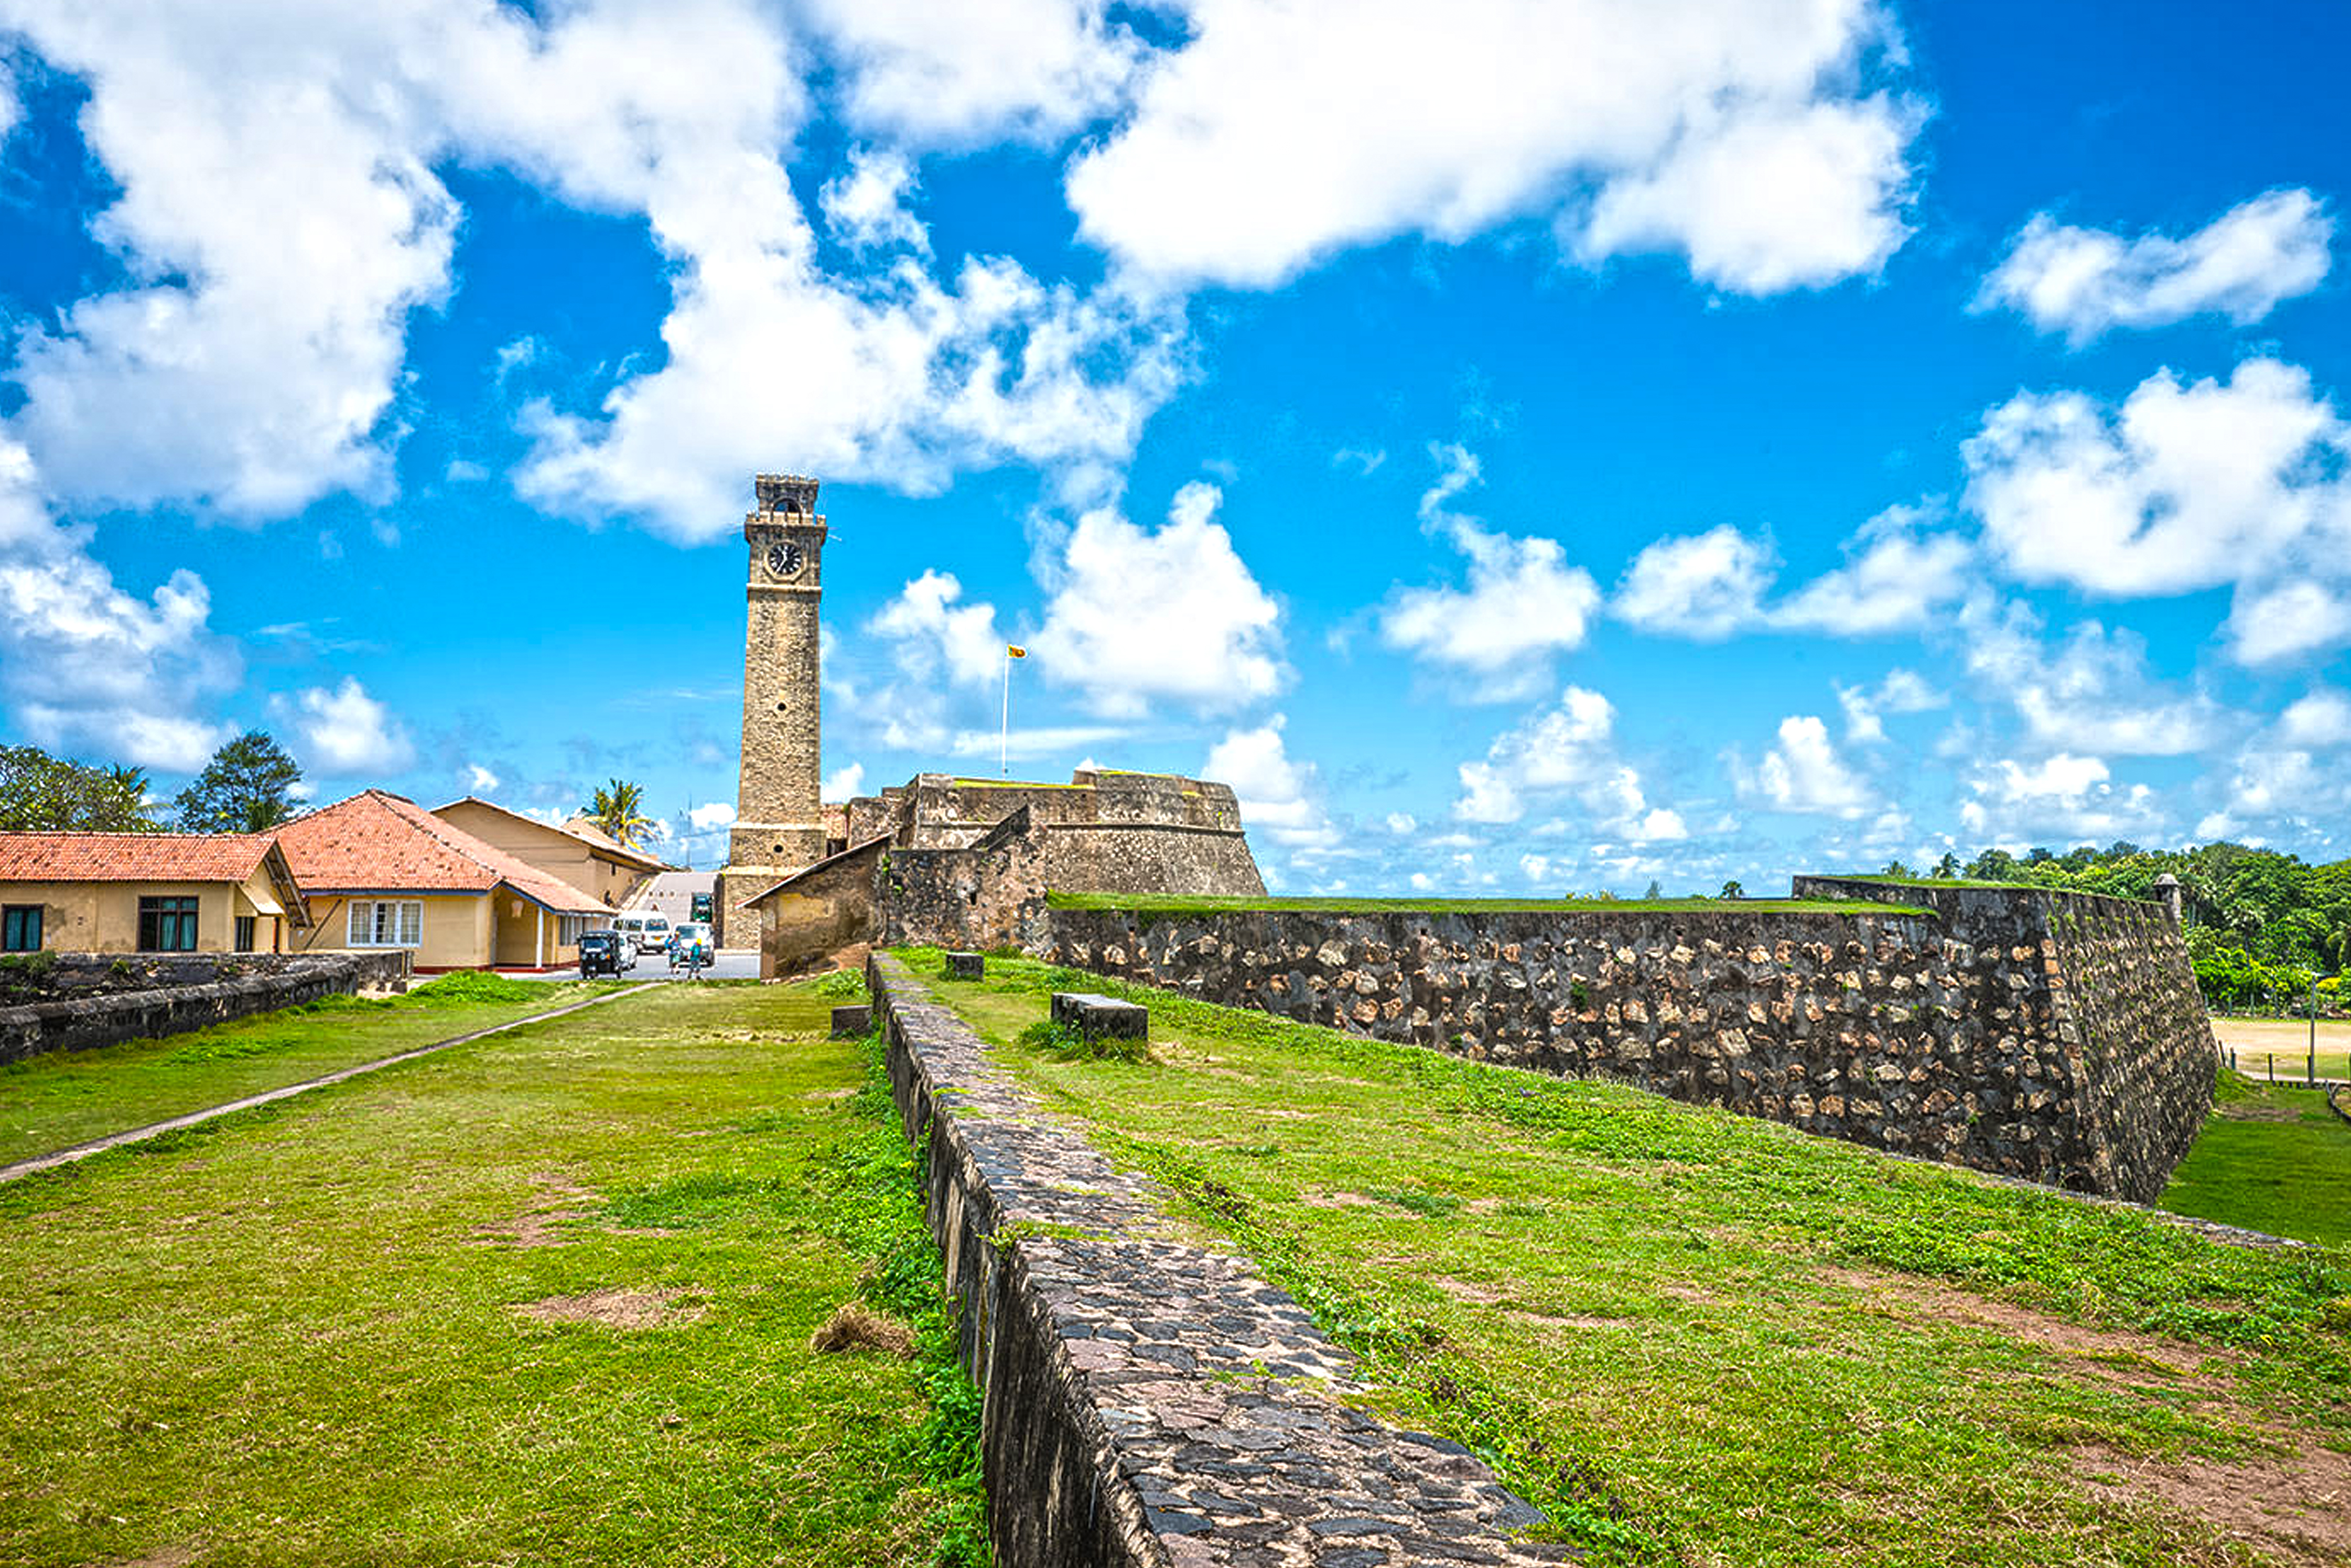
1958 1025
79 1001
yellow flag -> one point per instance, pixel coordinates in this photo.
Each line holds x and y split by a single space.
1015 651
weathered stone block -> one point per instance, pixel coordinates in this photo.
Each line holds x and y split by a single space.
852 1020
1100 1017
967 966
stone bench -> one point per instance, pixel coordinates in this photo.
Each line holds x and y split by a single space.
1099 1017
852 1020
967 966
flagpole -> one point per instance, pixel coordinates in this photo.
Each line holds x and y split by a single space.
1004 734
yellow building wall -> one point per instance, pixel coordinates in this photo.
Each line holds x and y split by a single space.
550 850
103 916
457 929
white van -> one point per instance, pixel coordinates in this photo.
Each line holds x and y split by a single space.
649 931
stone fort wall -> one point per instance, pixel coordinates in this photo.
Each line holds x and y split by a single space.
965 863
2055 1038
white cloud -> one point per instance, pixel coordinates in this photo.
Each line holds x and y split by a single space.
937 635
1139 615
866 206
2185 488
957 75
2319 717
1281 134
840 784
2084 282
1280 796
2094 693
1705 586
281 220
1799 196
1034 741
1523 602
1568 751
1901 691
345 733
1896 574
1804 773
1402 823
2283 620
718 814
2074 796
479 780
89 668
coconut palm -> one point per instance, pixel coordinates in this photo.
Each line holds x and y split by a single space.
617 808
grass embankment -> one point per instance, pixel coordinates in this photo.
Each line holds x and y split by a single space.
546 1299
68 1097
1696 1338
2273 1159
1209 904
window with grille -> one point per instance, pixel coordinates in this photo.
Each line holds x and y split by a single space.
568 928
244 923
20 928
167 925
387 922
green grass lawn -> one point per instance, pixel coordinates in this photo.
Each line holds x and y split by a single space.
68 1097
1699 1339
542 1298
2273 1159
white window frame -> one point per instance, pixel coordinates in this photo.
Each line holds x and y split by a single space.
567 929
386 922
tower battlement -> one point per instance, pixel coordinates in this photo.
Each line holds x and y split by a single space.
785 495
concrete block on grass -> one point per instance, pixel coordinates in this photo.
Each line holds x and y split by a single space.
966 966
1100 1017
852 1020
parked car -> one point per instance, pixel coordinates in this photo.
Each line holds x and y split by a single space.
605 953
649 931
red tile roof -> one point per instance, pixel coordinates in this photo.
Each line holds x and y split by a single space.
377 841
130 857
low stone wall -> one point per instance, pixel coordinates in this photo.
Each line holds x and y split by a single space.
1962 1034
1147 1401
181 993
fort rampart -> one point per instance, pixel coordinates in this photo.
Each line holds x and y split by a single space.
2058 1038
95 999
1148 1399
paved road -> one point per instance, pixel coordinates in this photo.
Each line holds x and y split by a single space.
732 963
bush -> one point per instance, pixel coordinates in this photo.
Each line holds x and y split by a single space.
1064 1043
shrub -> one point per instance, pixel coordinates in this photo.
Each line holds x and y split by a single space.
1064 1043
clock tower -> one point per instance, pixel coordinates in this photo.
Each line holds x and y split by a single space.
778 806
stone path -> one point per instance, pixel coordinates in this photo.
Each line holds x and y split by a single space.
1208 1416
195 1118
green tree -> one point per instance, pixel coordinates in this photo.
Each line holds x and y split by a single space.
246 788
617 808
1732 890
1947 868
39 793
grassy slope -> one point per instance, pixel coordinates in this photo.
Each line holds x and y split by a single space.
2270 1159
1195 903
292 1338
1697 1338
68 1097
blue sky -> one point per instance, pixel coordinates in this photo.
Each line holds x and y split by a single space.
1564 448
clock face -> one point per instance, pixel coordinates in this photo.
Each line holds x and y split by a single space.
784 559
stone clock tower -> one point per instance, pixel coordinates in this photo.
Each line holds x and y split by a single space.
779 807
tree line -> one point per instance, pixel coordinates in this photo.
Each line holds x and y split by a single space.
2262 927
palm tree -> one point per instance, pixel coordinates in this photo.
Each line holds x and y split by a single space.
617 808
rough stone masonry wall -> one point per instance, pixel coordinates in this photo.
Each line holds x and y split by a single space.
2137 1043
95 1016
1956 1042
1149 1401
